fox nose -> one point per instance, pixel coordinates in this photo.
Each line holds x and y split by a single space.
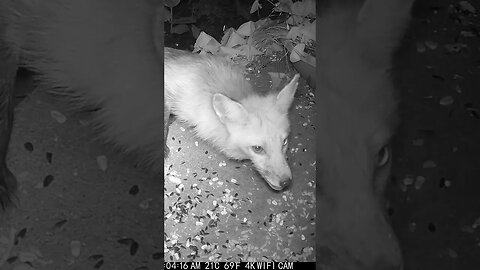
285 183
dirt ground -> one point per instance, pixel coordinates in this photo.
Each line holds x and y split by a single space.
435 202
76 211
80 205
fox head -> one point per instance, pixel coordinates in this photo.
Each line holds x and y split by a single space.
357 117
258 129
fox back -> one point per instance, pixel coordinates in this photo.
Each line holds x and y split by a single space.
214 96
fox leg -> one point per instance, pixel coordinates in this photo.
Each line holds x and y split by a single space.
8 70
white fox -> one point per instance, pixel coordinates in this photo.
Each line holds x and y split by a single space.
98 53
357 112
105 53
212 95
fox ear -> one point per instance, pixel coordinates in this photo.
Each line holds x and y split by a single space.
285 97
228 110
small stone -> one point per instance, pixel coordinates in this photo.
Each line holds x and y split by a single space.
429 164
419 181
452 253
75 248
476 223
408 181
421 47
174 179
467 33
145 204
448 183
447 100
102 162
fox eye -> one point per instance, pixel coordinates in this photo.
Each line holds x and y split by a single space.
257 149
383 156
285 141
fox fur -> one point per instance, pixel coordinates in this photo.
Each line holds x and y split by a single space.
357 116
213 95
97 54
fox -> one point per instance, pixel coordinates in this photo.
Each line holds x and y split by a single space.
212 95
107 55
101 54
357 108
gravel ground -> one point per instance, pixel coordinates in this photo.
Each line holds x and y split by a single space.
222 210
435 203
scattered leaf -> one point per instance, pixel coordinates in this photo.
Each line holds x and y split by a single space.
421 47
180 29
48 180
49 157
432 45
476 223
58 116
60 223
157 255
255 6
25 256
246 29
95 257
145 204
75 248
20 235
452 253
419 181
235 39
418 142
23 266
297 53
174 179
134 248
446 101
429 164
98 264
28 146
102 162
134 190
466 6
408 180
455 47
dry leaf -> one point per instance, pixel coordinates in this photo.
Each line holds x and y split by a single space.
102 162
75 248
58 116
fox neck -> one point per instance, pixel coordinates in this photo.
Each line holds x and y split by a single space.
225 143
210 128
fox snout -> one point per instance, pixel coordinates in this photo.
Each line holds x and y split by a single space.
278 177
280 184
